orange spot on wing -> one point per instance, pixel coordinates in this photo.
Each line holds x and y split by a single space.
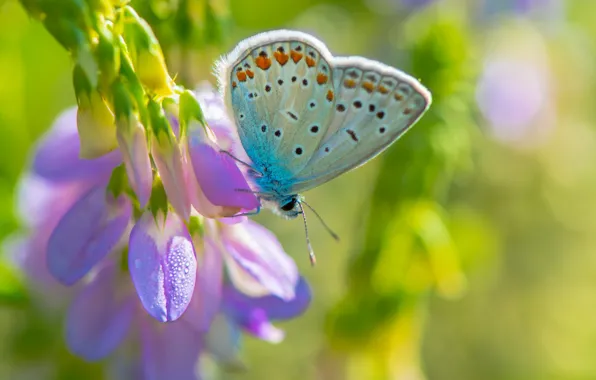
330 95
234 84
309 61
282 58
398 97
321 78
368 86
241 75
349 83
263 62
407 111
250 74
295 56
383 90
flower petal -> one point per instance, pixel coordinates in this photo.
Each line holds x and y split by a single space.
168 160
57 154
206 298
197 196
254 314
98 320
256 261
135 153
170 351
41 203
86 234
256 323
162 265
218 176
217 118
237 304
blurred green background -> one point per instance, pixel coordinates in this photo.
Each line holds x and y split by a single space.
468 250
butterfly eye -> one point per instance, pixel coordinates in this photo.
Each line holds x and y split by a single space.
289 206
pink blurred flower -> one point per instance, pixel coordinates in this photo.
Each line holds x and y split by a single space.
513 95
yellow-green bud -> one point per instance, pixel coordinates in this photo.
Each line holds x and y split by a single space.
146 55
95 121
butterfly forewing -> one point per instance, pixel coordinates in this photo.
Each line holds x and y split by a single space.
281 92
305 117
375 105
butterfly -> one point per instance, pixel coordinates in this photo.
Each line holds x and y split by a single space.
305 117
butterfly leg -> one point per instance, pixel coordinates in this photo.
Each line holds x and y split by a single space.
252 213
253 192
242 162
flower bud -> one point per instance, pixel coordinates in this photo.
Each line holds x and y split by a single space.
132 140
162 264
168 159
147 56
107 54
95 121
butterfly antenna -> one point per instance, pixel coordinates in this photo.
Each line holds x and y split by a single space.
333 234
311 253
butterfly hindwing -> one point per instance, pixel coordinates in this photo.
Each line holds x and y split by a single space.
280 90
375 105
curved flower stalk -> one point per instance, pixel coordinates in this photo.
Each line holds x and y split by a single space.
178 282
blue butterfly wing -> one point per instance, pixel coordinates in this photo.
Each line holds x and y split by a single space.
375 105
280 89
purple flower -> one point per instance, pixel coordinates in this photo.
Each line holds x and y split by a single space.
89 231
162 265
254 314
152 275
513 95
541 9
